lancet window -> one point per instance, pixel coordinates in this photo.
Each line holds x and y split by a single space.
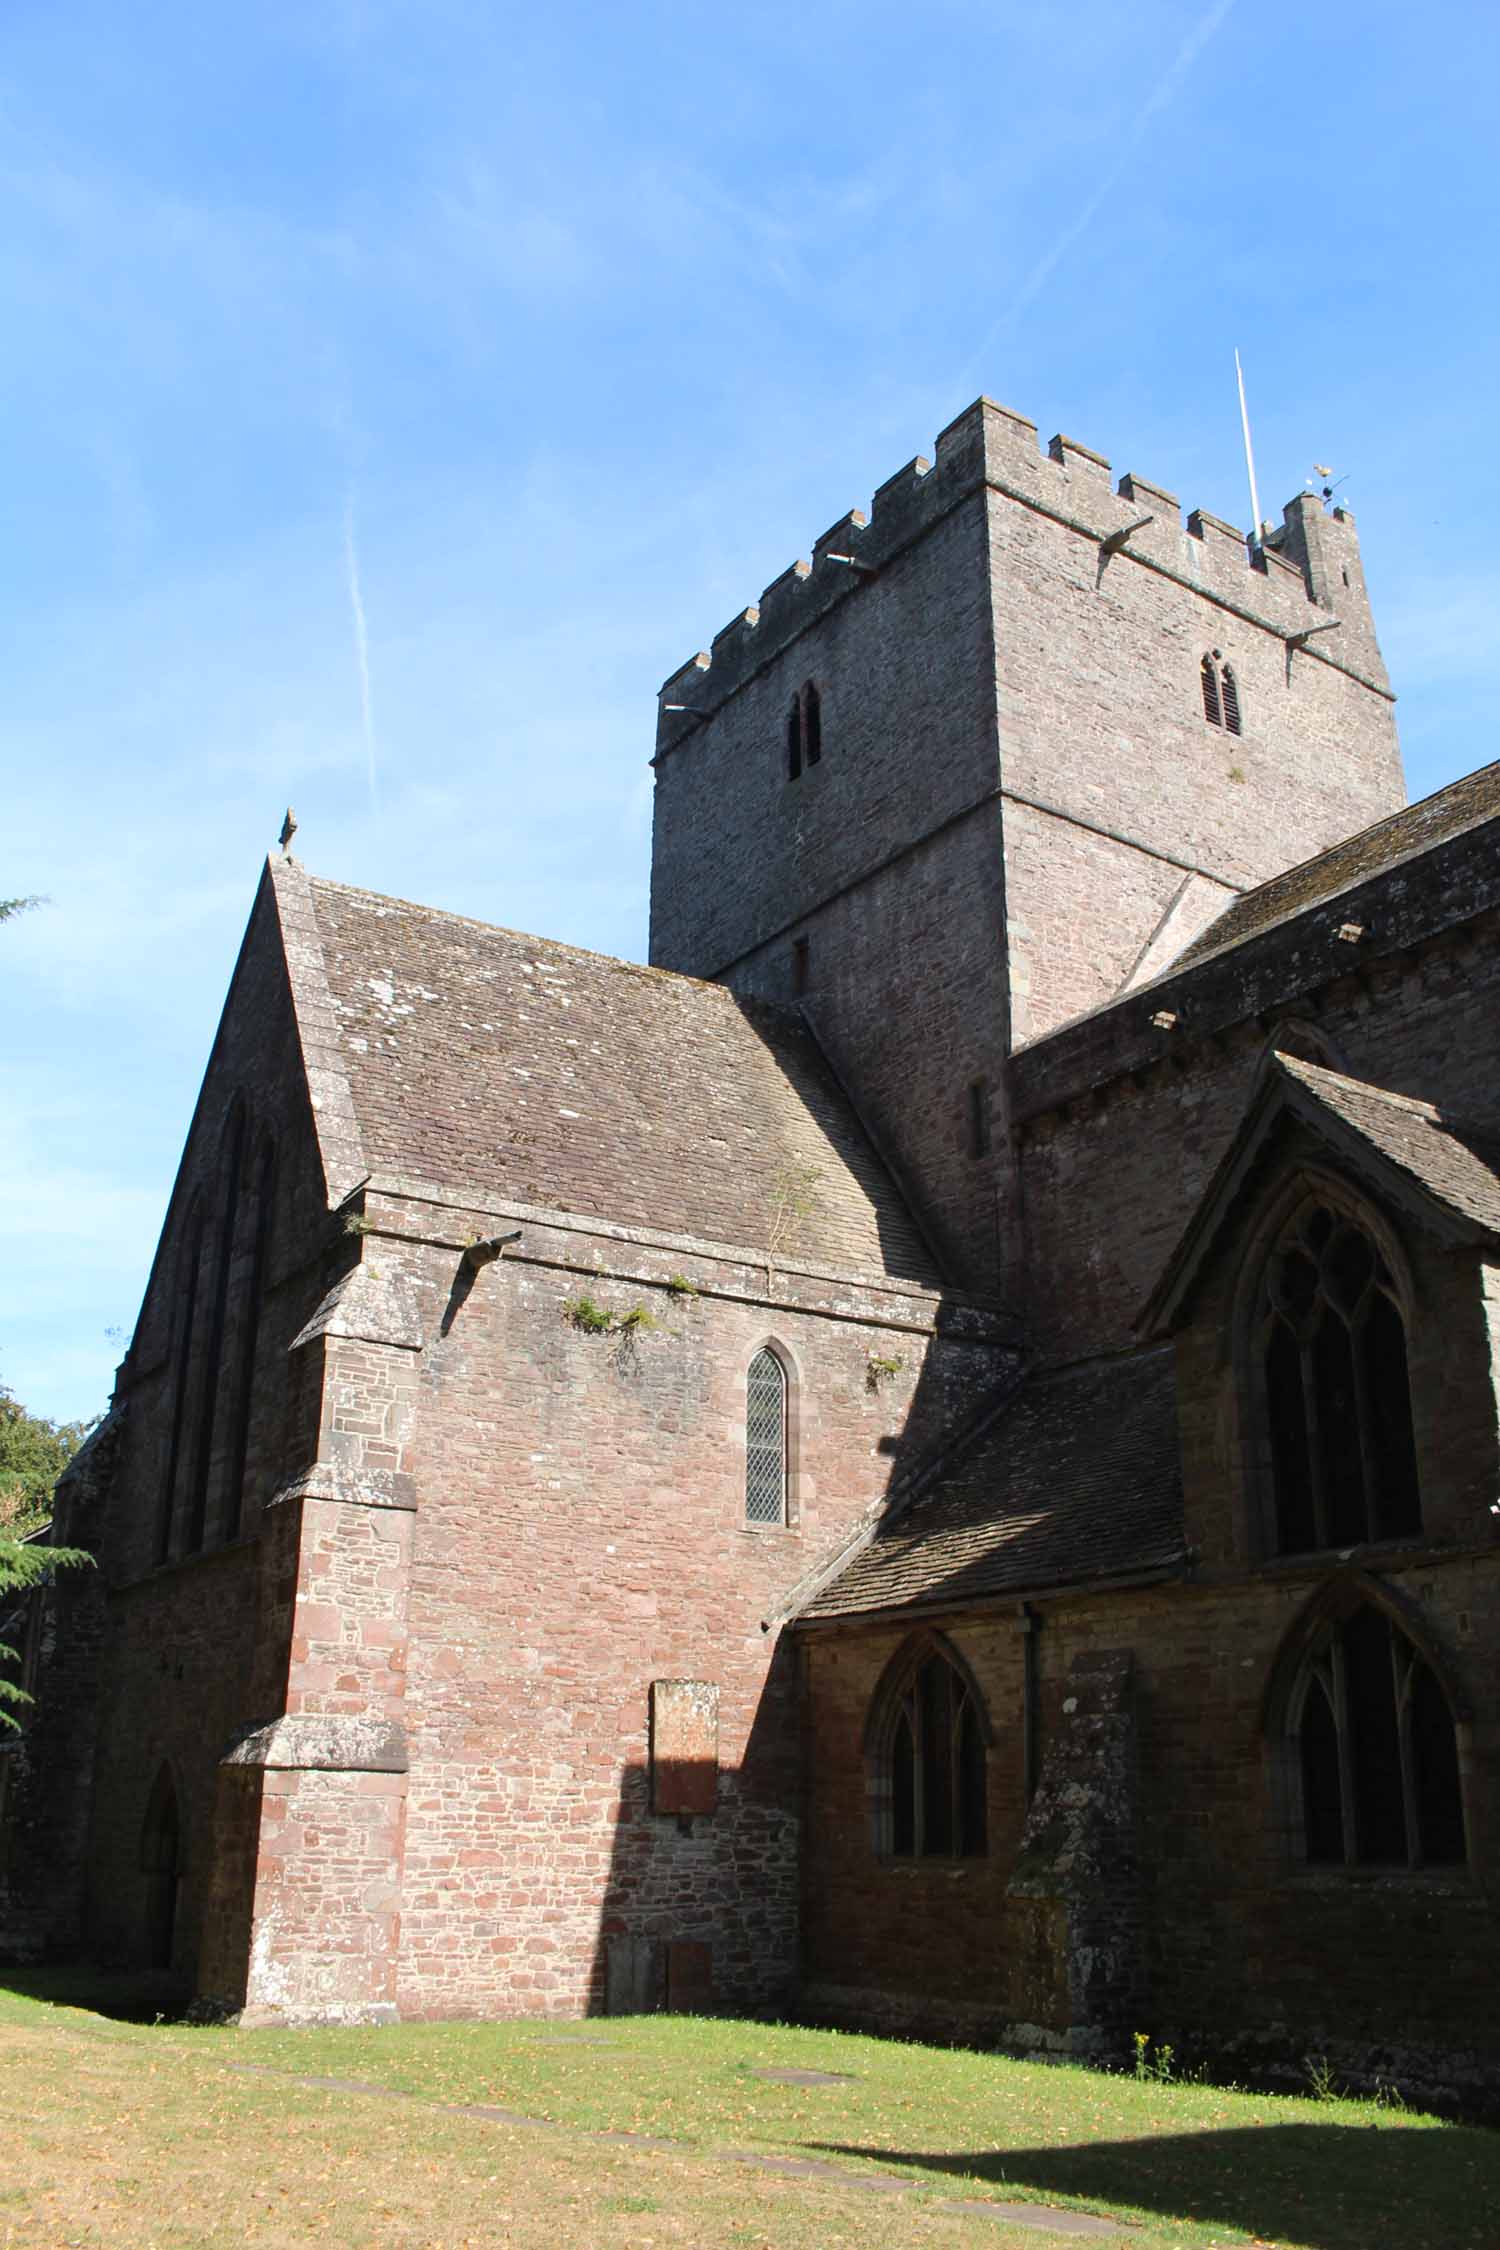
766 1440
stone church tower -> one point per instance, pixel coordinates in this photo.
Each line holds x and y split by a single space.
1018 801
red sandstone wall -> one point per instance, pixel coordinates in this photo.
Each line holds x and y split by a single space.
1249 1957
580 1533
182 1670
1109 1186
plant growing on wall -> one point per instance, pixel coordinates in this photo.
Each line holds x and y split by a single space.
793 1201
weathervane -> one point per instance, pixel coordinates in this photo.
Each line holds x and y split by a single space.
1326 486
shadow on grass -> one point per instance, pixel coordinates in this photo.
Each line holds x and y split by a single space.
128 1995
1334 2187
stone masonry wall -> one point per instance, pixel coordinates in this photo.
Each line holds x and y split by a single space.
926 925
1101 719
1248 1961
1109 1181
580 1533
173 1674
1000 625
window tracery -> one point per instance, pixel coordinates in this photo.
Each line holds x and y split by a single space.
1334 1387
928 1746
1376 1751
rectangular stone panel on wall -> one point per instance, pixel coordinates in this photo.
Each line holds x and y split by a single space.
684 1746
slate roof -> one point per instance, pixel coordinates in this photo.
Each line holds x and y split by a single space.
1400 836
480 1059
1394 1141
1456 1163
1078 1480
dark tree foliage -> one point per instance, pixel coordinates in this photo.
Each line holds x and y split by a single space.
33 1455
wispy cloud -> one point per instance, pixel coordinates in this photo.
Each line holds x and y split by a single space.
1162 95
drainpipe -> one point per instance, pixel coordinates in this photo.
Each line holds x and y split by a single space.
1028 1625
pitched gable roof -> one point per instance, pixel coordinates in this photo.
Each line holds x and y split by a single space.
1385 844
511 1067
1445 1171
1079 1479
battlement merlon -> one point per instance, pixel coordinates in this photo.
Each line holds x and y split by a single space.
1311 563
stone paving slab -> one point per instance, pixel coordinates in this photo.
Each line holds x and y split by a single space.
811 2168
785 2076
1044 2218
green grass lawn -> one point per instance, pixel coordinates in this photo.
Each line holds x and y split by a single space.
1178 2164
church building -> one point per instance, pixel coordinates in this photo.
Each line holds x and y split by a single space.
928 1459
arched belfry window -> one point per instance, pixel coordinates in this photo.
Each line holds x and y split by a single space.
1376 1763
928 1765
804 730
1221 693
1330 1343
766 1440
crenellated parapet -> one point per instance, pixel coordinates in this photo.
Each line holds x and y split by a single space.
1301 583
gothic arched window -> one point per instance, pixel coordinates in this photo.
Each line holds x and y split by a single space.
929 1768
812 724
253 1290
189 1291
1221 694
210 1381
1376 1751
766 1440
1330 1341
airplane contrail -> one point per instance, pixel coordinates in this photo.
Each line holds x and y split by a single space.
361 649
1165 91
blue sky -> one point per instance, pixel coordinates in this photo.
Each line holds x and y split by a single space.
542 340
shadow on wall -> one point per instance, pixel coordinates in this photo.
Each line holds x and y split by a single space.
702 1908
1325 2187
700 1912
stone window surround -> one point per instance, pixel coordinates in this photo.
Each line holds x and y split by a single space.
1330 1607
884 1712
791 1375
1309 1182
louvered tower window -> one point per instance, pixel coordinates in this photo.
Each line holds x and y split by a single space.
1221 695
765 1440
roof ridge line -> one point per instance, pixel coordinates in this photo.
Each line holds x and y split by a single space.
336 1128
618 961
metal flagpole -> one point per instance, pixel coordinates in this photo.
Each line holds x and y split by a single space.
1255 532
